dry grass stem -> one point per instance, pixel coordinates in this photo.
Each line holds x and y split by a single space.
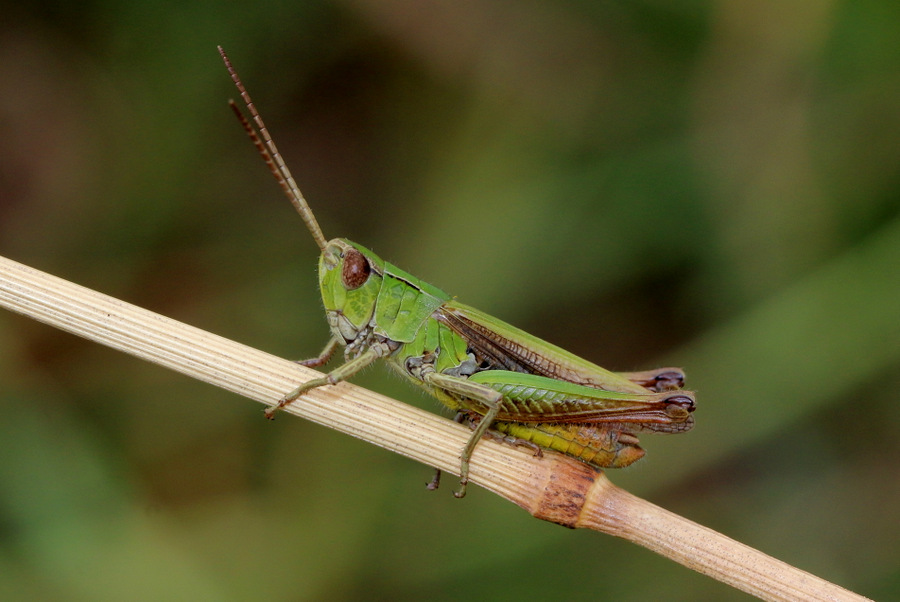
555 488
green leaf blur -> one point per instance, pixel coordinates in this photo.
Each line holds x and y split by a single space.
708 185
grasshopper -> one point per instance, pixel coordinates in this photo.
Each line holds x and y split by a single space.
495 376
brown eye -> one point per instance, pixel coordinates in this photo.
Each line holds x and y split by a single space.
356 270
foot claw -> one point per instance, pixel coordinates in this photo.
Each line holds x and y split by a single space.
272 410
435 481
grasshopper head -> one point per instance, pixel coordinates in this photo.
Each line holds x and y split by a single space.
350 278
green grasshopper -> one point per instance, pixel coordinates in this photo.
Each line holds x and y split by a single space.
493 374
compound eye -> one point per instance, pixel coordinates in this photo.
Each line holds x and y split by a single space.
356 270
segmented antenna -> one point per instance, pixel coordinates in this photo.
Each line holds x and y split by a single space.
266 147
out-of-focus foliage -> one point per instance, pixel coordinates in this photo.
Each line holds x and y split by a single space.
714 185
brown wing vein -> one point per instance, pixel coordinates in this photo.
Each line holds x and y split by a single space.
495 352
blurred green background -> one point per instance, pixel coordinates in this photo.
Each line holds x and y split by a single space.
714 185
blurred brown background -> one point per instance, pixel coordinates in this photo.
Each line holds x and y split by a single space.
714 185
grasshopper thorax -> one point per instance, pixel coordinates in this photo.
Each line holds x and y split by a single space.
350 278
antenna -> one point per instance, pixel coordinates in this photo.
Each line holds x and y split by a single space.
266 147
